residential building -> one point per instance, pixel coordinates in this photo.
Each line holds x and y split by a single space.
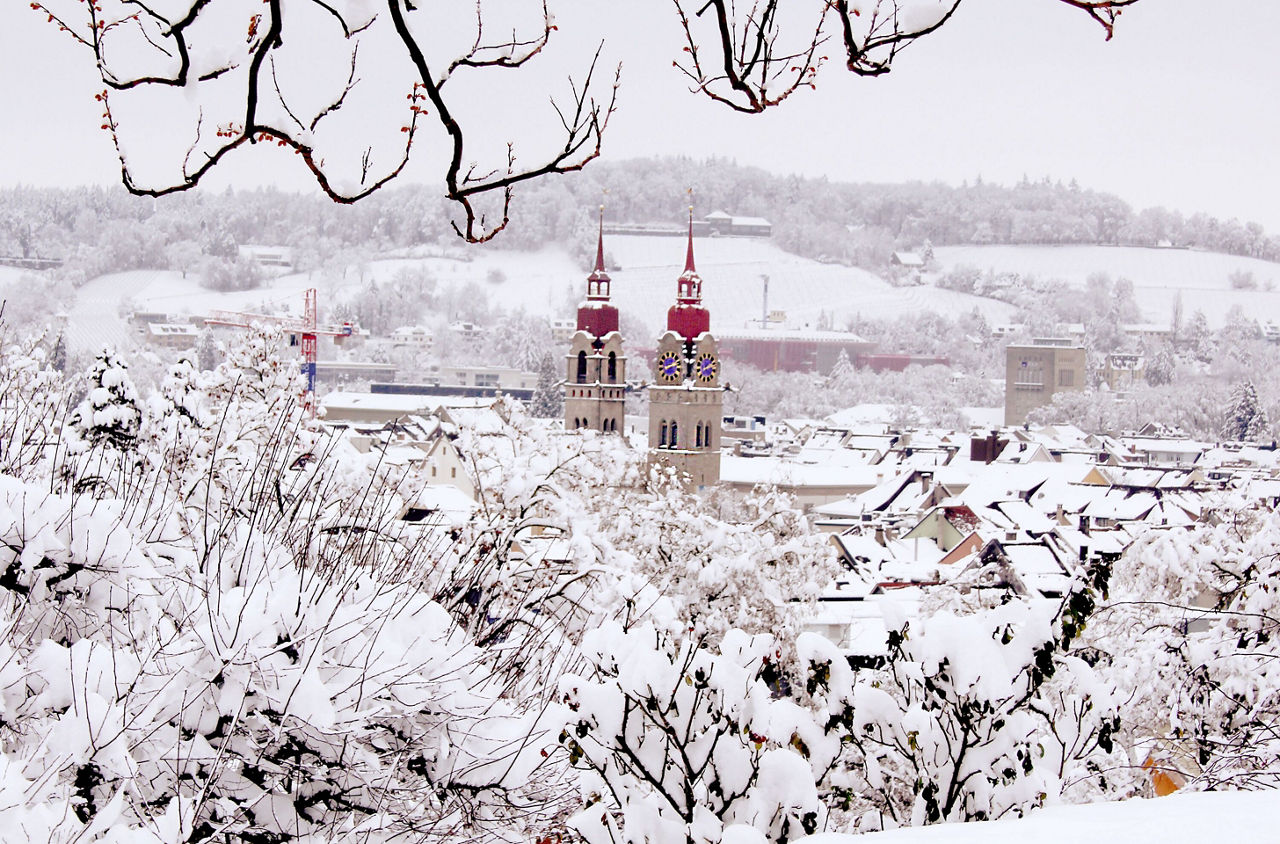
413 336
562 330
478 381
721 223
172 335
332 371
1034 374
1124 371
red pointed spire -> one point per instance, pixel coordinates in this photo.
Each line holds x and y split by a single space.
600 244
598 282
687 317
596 315
688 258
689 284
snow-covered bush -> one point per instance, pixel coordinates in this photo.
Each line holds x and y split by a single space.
1191 629
963 720
737 561
681 740
226 644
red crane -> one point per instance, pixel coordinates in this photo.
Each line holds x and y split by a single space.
306 328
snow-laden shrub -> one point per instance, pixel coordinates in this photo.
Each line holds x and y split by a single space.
972 715
224 644
681 740
1192 628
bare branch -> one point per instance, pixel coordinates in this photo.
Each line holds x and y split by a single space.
751 62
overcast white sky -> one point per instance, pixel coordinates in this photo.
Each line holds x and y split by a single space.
1181 109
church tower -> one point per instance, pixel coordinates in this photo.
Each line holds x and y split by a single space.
596 371
685 398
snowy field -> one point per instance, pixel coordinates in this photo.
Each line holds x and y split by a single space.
549 282
731 270
1158 275
1238 817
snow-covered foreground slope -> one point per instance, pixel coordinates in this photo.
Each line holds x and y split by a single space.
1158 275
1238 817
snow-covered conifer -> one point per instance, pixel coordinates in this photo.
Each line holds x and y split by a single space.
548 399
841 369
58 357
110 413
1246 419
208 355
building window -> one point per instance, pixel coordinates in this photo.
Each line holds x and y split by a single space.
1029 375
1067 378
613 367
662 437
697 436
453 471
604 426
486 379
582 367
675 439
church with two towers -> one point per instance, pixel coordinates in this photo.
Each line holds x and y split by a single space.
685 393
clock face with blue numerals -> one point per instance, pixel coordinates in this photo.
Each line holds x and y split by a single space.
705 368
669 365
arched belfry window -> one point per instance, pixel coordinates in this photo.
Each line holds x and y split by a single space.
613 367
582 367
662 437
697 436
675 435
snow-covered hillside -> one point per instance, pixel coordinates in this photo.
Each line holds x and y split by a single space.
1158 275
549 282
732 270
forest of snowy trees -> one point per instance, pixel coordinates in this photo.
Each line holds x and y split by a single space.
98 230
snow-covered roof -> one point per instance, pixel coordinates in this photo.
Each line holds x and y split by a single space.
780 334
1121 505
446 504
1025 517
775 470
481 420
1038 567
